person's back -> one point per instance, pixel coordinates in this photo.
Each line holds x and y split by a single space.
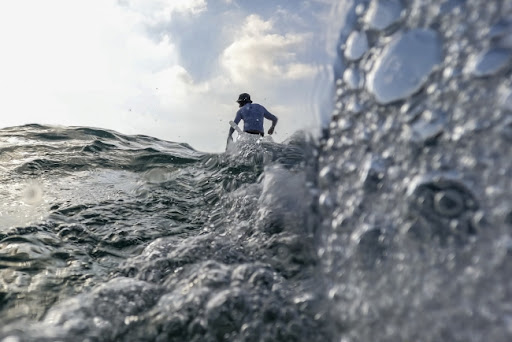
253 115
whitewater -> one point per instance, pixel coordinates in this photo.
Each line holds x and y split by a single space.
394 225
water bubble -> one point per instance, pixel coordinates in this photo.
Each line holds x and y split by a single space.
363 135
325 200
371 247
501 34
356 45
448 203
505 94
326 175
352 78
404 66
345 124
373 173
157 175
354 106
383 13
360 9
505 42
33 194
500 29
448 72
410 111
506 131
428 127
443 207
451 5
489 62
508 219
441 194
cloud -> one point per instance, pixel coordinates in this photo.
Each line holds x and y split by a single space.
260 53
156 12
176 88
65 63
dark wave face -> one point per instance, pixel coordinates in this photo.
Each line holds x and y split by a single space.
110 237
395 226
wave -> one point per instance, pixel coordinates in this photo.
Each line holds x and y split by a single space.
139 222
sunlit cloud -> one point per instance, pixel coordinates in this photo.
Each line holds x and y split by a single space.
258 53
158 11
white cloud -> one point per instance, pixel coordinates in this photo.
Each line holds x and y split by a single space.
259 53
158 11
176 88
68 62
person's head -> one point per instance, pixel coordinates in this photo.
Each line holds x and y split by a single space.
243 99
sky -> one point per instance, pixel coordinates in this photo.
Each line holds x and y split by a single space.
171 69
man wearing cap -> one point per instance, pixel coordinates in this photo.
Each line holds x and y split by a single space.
253 115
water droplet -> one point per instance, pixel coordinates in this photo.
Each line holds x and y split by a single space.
489 62
441 194
451 5
428 127
448 203
353 106
345 124
505 42
326 175
33 194
352 78
411 111
157 175
356 45
360 9
500 29
371 246
508 219
325 200
404 65
383 13
373 173
506 131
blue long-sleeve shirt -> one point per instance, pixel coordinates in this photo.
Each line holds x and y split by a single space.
253 115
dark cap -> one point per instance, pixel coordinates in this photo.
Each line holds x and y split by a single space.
244 98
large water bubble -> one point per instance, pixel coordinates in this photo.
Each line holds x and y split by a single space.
404 65
356 45
383 13
489 62
352 78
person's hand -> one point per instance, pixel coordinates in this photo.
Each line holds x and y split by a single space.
271 130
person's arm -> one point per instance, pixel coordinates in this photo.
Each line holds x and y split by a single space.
238 117
272 118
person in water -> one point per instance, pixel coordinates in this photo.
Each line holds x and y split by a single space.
253 115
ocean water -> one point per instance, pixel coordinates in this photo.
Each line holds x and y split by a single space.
395 225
